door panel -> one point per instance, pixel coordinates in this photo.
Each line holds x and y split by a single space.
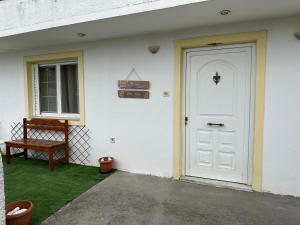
215 92
218 106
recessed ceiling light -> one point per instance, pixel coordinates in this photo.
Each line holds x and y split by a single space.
225 12
81 35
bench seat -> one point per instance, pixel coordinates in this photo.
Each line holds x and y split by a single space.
36 144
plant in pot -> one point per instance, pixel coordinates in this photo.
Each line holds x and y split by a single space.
106 164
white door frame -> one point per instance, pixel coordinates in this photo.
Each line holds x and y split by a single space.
252 105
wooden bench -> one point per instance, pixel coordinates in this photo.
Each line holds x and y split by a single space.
41 145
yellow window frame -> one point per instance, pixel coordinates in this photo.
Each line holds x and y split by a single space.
30 60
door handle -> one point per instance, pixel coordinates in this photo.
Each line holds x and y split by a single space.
216 124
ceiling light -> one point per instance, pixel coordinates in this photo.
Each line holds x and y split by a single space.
81 35
154 49
225 12
297 35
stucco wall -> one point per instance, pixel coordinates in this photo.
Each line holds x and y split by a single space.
18 16
143 128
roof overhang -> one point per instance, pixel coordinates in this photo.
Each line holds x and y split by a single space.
175 18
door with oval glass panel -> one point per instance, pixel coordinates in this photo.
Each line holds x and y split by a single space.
218 112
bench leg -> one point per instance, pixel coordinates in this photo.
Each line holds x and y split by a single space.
51 163
8 155
66 151
25 153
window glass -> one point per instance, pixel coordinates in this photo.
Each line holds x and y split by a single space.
48 89
56 90
69 88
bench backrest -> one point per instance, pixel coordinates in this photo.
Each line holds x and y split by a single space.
46 124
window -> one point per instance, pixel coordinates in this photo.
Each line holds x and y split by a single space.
56 90
54 86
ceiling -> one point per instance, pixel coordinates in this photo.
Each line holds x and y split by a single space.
192 15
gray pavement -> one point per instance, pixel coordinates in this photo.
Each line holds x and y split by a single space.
130 199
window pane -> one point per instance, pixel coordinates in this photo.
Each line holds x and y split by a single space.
69 89
48 91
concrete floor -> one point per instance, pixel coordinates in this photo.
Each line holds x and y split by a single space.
130 199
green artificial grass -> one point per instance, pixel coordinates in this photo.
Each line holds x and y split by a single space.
48 191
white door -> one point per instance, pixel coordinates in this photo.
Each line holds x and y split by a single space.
218 109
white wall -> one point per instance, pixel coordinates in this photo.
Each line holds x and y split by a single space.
19 16
143 128
11 92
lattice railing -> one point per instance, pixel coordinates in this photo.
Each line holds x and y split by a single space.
78 142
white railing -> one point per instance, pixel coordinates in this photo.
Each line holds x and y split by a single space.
28 12
19 16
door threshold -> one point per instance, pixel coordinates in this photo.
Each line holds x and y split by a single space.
217 183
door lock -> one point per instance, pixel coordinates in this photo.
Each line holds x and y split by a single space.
186 119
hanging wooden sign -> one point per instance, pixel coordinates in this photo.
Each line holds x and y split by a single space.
133 84
133 88
133 94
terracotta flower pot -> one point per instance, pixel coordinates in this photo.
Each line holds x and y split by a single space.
18 219
106 164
